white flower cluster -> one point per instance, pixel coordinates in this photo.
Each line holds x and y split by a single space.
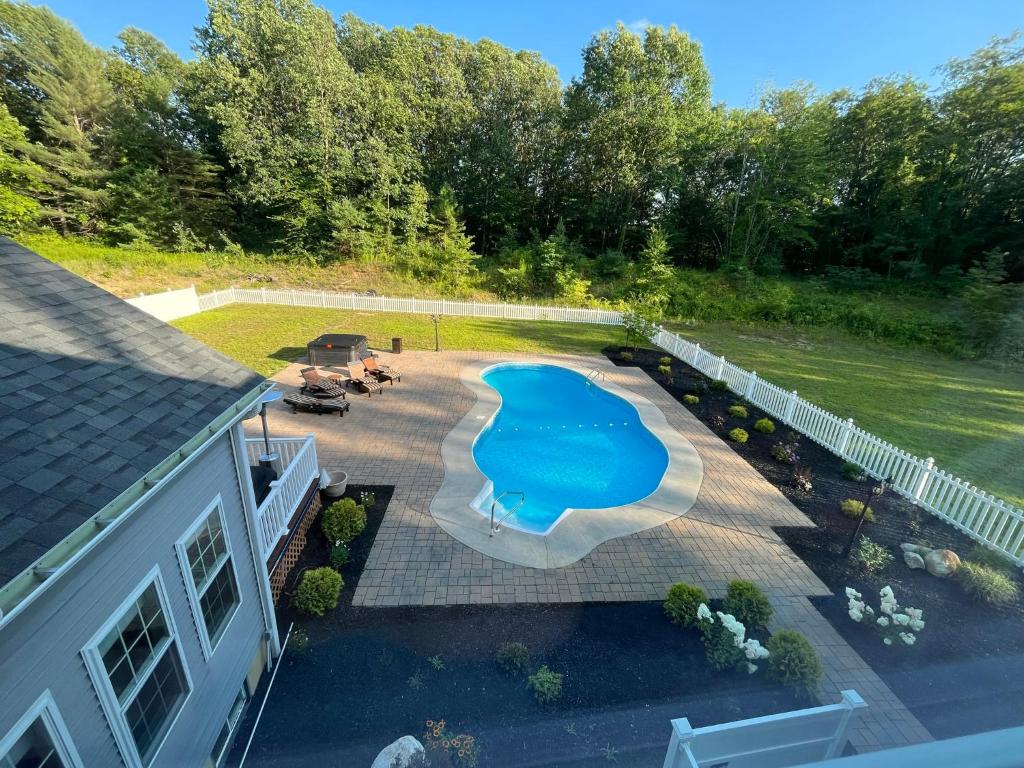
751 648
893 617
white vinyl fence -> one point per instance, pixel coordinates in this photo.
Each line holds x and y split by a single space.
980 515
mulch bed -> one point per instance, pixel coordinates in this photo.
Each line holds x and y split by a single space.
965 673
370 675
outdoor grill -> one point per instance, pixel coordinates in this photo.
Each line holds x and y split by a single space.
337 349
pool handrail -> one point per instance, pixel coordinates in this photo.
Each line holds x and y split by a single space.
508 513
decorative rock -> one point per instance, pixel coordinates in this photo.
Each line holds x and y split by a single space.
938 562
941 562
913 560
398 754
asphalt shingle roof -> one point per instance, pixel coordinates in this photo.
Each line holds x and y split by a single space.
94 393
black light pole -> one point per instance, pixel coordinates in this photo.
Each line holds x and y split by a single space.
437 336
876 493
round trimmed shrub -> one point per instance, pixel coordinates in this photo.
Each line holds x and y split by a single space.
318 591
719 386
739 435
852 471
343 521
664 370
720 647
545 684
738 411
691 399
514 658
764 426
748 604
986 584
666 360
852 509
793 662
681 604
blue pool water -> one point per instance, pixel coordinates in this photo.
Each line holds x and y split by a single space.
567 443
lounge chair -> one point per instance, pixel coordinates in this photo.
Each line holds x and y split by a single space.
317 385
381 372
300 402
366 384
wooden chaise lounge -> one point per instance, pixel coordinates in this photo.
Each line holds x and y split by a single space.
366 383
381 372
317 385
300 402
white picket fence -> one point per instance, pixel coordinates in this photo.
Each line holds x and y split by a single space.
980 515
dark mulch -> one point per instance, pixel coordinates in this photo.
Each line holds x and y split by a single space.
371 675
965 674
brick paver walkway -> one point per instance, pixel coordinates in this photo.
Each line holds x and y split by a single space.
395 440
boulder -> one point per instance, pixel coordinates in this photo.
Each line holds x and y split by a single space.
913 560
941 562
398 754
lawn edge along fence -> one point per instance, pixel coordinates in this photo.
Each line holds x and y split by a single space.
985 518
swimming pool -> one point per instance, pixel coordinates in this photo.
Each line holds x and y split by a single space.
566 443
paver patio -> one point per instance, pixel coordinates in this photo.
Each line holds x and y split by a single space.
394 439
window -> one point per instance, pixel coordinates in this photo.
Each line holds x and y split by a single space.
39 740
205 555
136 666
220 747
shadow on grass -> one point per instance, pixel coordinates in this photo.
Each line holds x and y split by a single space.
289 354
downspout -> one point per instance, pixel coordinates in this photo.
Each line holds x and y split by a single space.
251 525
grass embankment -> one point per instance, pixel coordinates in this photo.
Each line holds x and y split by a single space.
969 416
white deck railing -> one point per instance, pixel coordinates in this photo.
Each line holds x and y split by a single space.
298 456
979 514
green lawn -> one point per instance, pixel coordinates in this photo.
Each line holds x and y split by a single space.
969 416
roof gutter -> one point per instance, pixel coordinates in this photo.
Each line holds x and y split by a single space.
18 593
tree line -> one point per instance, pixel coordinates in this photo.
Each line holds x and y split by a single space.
293 131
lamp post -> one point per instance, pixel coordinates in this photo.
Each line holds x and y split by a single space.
875 494
437 336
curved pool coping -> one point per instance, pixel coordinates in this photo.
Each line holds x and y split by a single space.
575 535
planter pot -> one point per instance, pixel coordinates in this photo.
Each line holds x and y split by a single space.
334 483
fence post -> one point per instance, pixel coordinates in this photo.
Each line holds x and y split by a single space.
922 480
263 294
844 438
679 745
787 414
721 367
751 378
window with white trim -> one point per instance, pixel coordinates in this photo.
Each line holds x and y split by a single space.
137 668
39 740
205 555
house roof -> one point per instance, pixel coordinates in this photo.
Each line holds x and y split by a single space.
94 393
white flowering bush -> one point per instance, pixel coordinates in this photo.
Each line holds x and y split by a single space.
726 641
892 622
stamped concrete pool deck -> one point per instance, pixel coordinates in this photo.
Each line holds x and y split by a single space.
396 439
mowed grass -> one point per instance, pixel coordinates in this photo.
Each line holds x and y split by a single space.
267 338
968 416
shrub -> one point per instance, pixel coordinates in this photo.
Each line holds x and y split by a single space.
801 478
666 360
739 435
748 604
339 556
739 411
665 370
343 521
986 584
717 420
545 684
691 399
985 556
318 591
852 471
626 354
719 386
299 640
873 557
852 509
764 426
681 604
514 658
700 387
720 647
785 452
793 662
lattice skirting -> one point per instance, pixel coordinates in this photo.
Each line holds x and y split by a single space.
282 561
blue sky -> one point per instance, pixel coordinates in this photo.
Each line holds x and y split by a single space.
747 44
